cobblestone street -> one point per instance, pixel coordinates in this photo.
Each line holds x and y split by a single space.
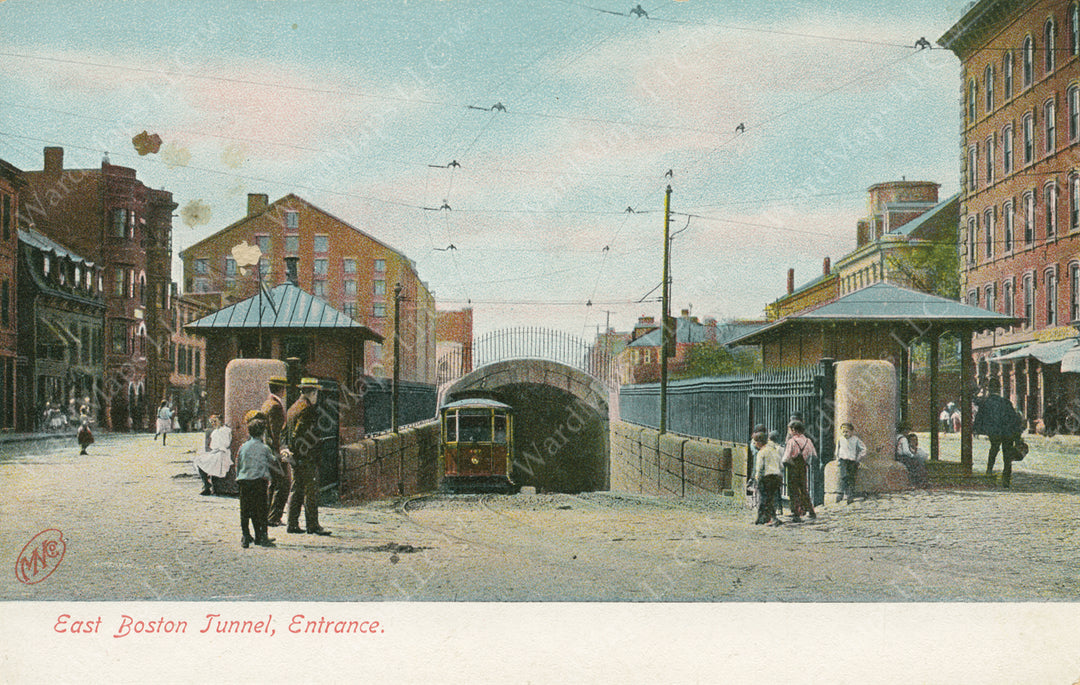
137 529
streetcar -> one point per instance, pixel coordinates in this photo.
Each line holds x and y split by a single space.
477 437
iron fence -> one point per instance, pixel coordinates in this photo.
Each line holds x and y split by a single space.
416 402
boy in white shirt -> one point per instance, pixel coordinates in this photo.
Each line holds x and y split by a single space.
850 450
768 470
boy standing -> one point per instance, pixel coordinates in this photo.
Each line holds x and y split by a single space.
255 461
768 474
850 450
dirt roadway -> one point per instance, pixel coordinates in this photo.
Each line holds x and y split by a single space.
137 529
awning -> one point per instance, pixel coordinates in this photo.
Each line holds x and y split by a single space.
1050 352
1070 363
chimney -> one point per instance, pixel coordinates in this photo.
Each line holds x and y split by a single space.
291 264
685 313
257 203
54 161
862 233
826 267
790 281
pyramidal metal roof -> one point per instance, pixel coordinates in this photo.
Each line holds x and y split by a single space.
284 306
885 302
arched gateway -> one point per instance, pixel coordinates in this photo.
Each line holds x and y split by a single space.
561 419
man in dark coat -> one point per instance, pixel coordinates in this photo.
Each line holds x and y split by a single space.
274 407
999 421
302 421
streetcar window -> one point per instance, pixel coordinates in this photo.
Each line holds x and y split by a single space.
474 428
500 429
451 426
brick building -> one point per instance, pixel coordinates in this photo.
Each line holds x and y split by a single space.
110 218
186 359
1020 203
453 343
61 337
639 361
336 262
11 181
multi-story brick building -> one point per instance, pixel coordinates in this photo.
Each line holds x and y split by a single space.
60 319
110 218
337 262
11 181
186 358
639 361
1020 203
453 343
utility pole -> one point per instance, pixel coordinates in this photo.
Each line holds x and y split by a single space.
664 316
397 358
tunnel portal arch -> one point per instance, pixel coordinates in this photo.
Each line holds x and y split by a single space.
561 421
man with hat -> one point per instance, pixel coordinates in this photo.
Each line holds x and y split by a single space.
274 408
302 421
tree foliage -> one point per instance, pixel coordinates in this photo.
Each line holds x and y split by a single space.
713 359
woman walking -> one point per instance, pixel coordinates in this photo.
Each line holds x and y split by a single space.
164 421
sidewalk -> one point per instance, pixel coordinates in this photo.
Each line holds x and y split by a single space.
1054 461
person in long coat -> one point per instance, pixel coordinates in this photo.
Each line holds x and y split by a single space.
302 422
1002 424
280 482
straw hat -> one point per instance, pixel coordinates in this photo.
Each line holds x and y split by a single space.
277 380
309 384
254 415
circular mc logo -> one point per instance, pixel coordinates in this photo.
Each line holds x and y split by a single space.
40 557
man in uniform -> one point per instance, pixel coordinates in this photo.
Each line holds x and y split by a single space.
278 493
302 421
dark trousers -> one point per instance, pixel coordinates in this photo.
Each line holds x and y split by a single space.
849 469
277 496
797 493
305 493
1004 443
768 493
253 507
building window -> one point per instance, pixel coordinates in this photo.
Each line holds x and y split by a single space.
1007 297
230 266
1029 218
200 285
349 309
988 227
1051 126
318 288
1050 40
292 218
973 168
988 85
1074 29
988 297
1074 202
973 297
1074 292
265 271
119 337
989 160
1029 138
1050 195
380 265
971 240
1029 61
1007 74
322 244
350 288
348 266
119 223
380 288
7 217
973 99
230 284
1007 150
1029 300
292 245
322 267
1074 113
118 282
5 304
378 310
195 370
1051 297
201 266
263 241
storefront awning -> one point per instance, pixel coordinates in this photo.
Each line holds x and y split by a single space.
1050 352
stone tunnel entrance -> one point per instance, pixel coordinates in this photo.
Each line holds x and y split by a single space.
560 422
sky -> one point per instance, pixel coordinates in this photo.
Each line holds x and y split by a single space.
362 107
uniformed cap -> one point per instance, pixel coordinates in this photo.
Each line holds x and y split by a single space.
309 384
254 415
277 380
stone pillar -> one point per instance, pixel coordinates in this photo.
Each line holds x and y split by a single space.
866 397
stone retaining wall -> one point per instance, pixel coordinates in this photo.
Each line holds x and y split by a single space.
671 465
391 464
